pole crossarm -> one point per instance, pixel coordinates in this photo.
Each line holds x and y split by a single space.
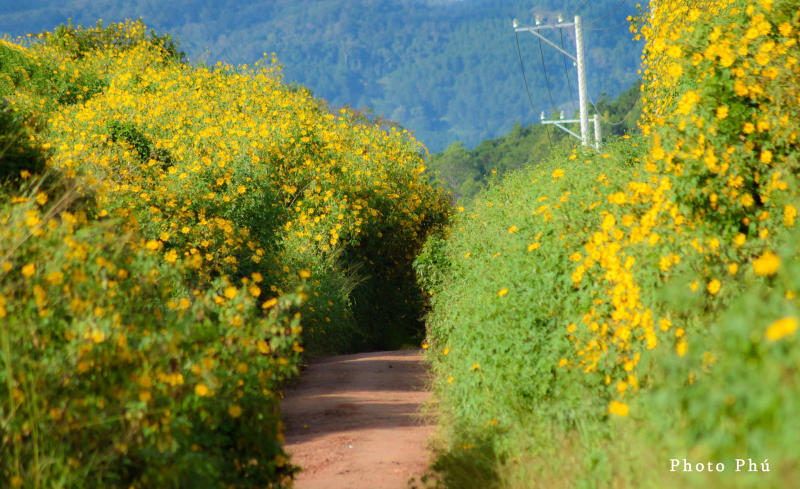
594 120
532 30
560 121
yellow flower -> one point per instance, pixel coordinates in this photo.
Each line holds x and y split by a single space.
675 70
748 127
98 336
714 286
722 112
201 390
562 362
425 345
257 277
512 229
781 328
682 347
766 156
152 245
235 410
475 366
733 268
29 269
255 291
446 351
618 408
617 198
789 214
502 292
269 303
740 239
767 264
305 274
533 246
230 292
558 173
171 256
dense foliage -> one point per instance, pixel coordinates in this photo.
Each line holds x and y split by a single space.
173 238
448 70
642 305
466 172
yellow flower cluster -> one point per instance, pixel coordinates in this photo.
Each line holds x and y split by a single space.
200 199
719 175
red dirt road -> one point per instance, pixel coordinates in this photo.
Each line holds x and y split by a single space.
354 422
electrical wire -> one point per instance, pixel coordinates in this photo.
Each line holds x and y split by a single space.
524 77
527 90
546 78
566 73
578 9
605 120
547 84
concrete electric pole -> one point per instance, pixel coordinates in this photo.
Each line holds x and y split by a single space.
583 98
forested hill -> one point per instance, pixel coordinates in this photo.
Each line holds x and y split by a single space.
466 172
446 69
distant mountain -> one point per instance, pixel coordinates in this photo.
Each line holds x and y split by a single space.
446 69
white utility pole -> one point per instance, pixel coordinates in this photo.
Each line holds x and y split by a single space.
582 97
579 61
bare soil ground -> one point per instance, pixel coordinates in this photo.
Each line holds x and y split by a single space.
354 421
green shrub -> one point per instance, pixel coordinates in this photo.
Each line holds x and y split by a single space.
673 331
208 226
115 374
17 154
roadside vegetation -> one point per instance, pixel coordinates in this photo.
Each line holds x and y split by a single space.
600 314
174 240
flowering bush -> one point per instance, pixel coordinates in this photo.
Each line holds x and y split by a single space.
195 230
679 311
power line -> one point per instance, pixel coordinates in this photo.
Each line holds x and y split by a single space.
524 77
579 8
566 74
546 79
547 83
606 121
527 90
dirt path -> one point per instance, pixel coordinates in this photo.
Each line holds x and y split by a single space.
354 421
